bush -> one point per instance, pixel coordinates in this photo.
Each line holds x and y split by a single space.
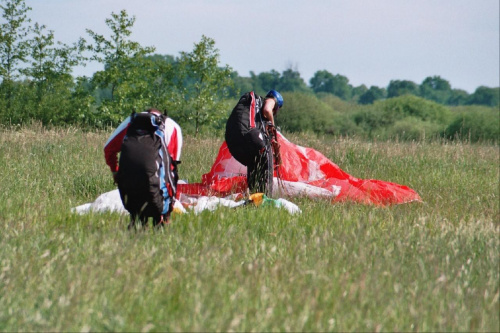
411 128
398 108
336 104
475 124
370 119
406 117
343 125
304 112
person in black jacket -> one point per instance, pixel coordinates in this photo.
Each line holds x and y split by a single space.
247 139
149 144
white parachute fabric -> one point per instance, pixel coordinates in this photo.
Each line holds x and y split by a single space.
111 202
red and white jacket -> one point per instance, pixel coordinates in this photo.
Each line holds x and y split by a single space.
173 139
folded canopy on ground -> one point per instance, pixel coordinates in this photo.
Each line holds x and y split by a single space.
304 172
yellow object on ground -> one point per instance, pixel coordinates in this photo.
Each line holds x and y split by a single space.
257 198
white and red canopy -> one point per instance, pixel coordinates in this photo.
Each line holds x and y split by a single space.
304 172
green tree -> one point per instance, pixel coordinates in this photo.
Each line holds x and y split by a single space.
266 81
341 87
49 71
371 95
357 92
14 47
241 85
338 85
401 87
124 68
82 102
485 96
290 80
160 75
322 81
14 43
458 97
435 89
205 85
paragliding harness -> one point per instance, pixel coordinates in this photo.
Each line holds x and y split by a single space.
147 174
272 147
275 146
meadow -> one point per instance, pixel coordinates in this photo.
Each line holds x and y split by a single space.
430 266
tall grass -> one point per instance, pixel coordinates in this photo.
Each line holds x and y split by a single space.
336 267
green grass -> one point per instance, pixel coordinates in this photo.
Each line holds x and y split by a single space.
431 266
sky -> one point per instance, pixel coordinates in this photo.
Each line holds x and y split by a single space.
370 42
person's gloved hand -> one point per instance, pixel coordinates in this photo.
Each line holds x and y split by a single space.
115 177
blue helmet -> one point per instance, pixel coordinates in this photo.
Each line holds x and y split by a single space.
277 96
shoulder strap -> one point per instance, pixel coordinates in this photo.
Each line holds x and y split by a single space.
170 167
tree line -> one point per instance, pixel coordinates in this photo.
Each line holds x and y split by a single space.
37 84
433 88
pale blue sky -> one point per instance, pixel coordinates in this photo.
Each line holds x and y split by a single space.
369 41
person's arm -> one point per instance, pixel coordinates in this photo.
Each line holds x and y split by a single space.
267 110
114 145
173 138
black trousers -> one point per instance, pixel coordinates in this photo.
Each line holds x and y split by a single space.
142 205
253 150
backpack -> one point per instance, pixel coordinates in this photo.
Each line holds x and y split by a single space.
147 174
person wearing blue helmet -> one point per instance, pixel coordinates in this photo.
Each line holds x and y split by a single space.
247 138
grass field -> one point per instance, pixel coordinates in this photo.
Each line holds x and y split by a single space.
431 266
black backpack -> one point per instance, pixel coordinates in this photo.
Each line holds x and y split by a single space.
147 172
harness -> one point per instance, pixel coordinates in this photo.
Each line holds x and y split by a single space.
149 124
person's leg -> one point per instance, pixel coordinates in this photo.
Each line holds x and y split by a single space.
161 221
129 201
250 150
131 225
144 221
259 169
260 174
252 177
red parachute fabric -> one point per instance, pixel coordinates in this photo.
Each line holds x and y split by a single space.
301 165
